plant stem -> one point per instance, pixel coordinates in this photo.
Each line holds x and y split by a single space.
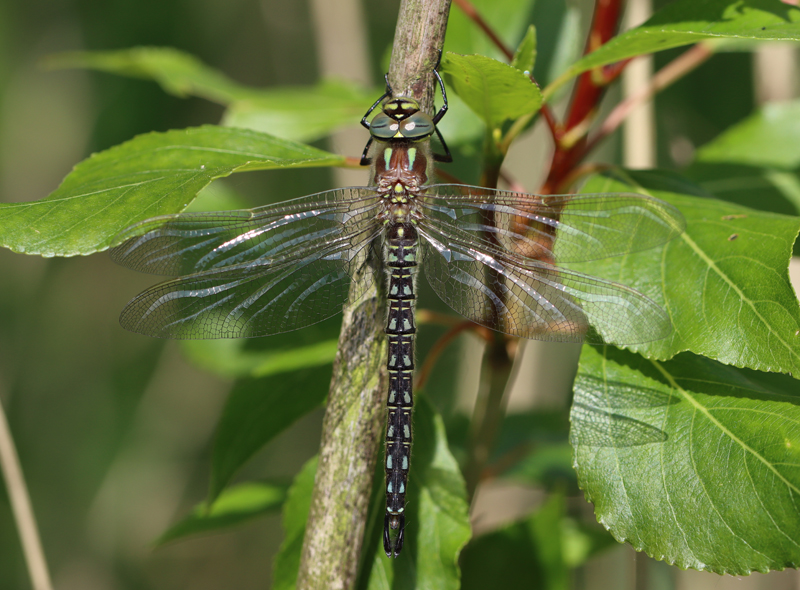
586 97
354 419
489 410
674 70
21 507
471 12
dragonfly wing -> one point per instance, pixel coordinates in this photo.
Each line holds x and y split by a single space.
255 298
598 414
563 228
599 428
188 243
532 299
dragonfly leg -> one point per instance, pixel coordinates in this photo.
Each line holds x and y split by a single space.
446 156
365 161
387 94
443 110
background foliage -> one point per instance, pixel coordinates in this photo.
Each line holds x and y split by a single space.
115 431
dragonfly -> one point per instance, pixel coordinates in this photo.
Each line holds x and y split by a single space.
494 256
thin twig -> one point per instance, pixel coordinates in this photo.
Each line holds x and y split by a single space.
352 162
442 343
674 70
489 411
21 507
472 13
435 318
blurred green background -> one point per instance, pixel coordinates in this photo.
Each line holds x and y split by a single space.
114 430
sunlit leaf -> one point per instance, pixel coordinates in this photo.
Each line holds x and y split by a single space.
295 516
724 282
297 113
228 358
768 138
525 55
684 22
152 174
493 90
234 506
177 72
719 491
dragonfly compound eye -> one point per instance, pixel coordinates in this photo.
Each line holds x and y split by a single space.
383 127
417 126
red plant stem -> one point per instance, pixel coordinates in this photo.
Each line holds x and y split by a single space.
587 94
674 70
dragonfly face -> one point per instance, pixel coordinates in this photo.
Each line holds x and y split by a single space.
491 255
401 118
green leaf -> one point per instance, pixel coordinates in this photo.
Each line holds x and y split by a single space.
228 358
493 90
580 541
303 113
525 56
525 554
689 21
295 516
300 114
767 138
765 189
437 522
508 19
177 72
152 174
756 162
257 410
234 506
536 552
724 282
560 39
719 492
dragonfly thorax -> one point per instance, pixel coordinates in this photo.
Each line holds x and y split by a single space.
400 167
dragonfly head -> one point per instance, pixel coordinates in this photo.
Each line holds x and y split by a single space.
401 118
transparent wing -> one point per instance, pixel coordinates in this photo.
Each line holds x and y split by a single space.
188 243
530 298
563 228
251 273
598 413
255 298
599 428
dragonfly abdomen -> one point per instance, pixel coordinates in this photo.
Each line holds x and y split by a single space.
401 262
